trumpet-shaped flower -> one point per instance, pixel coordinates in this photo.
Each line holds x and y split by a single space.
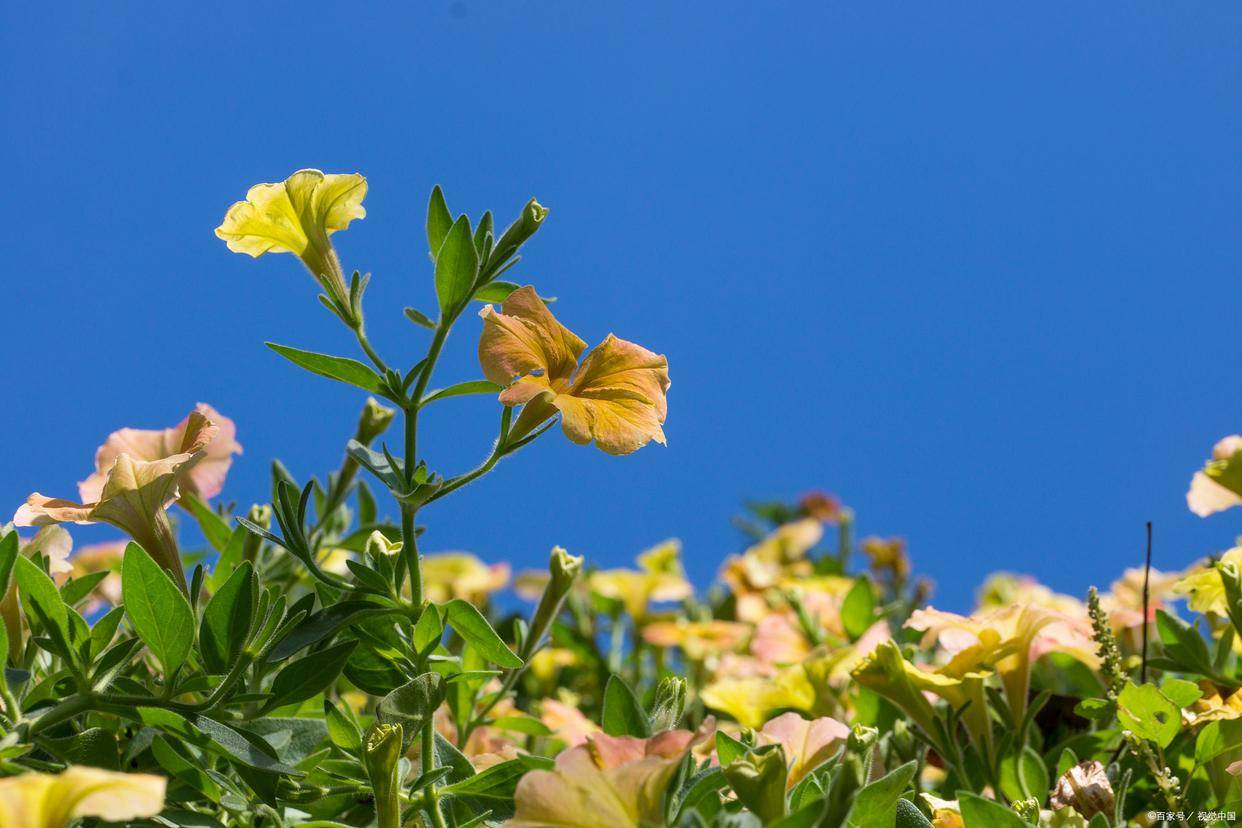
297 216
697 639
1219 485
616 396
609 782
205 478
1203 586
807 744
659 577
44 800
752 699
134 495
450 575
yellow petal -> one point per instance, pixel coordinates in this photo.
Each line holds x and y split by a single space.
617 398
291 216
524 338
40 800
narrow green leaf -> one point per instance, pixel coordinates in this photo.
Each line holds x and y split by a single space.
462 389
77 589
309 676
42 600
342 730
978 812
8 556
875 804
349 371
215 528
858 608
495 291
419 318
457 266
439 220
227 619
470 624
161 616
623 715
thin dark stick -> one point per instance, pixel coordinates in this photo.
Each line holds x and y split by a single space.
1146 621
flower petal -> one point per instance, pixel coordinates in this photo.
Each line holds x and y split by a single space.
617 398
288 217
523 338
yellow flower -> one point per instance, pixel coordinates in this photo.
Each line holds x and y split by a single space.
448 575
133 496
609 782
545 664
752 699
297 216
1219 485
659 577
1215 703
697 639
615 397
1204 587
44 800
945 812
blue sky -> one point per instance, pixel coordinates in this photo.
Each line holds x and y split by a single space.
974 268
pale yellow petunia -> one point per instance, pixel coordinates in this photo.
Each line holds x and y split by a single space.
615 397
659 577
1203 586
44 800
297 216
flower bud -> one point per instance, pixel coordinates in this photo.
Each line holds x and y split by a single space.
669 703
758 779
378 546
1086 789
517 233
563 569
381 751
373 421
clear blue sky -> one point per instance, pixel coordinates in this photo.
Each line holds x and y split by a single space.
975 268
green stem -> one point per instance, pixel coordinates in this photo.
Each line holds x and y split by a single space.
361 333
429 764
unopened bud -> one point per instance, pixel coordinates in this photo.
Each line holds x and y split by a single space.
517 233
378 546
373 421
669 703
861 739
758 779
563 570
381 752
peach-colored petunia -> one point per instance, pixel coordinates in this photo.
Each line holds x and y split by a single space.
297 216
697 639
609 782
448 575
44 800
1219 486
206 478
615 397
567 722
807 744
134 495
659 577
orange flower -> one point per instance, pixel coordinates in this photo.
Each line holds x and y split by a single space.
616 396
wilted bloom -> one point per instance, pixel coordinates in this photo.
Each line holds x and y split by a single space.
659 577
1219 485
609 782
44 800
133 496
297 216
697 639
1203 586
448 575
807 744
821 506
205 478
1086 789
615 397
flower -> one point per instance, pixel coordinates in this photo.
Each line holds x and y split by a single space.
697 639
134 495
807 744
448 575
44 800
616 396
609 782
887 557
1203 585
751 699
297 216
205 479
1219 485
1215 703
659 577
567 722
945 812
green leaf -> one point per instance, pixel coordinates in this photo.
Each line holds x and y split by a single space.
461 389
858 608
1099 710
1144 710
522 724
342 730
322 624
1181 692
1183 643
623 715
42 600
1025 778
728 748
76 590
978 812
161 616
439 220
419 318
495 291
909 816
349 371
875 804
227 619
8 556
1221 736
411 705
470 624
457 266
215 528
309 676
498 781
